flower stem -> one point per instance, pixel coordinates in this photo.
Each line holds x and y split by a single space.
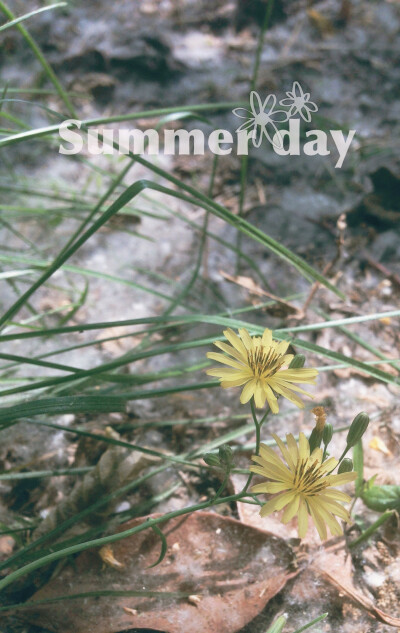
257 424
221 488
263 419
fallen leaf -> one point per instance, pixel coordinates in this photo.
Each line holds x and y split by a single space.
335 565
249 284
233 570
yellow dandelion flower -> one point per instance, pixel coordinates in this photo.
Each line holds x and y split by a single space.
259 364
303 484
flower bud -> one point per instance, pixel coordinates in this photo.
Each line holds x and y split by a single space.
297 362
315 438
357 429
327 434
346 466
212 459
225 455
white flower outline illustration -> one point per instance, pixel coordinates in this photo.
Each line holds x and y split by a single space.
299 103
262 115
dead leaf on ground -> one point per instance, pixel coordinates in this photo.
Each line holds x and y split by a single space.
250 285
233 569
334 564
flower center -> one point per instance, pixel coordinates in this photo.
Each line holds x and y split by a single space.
263 118
308 479
263 361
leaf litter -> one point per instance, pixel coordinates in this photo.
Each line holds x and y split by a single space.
227 571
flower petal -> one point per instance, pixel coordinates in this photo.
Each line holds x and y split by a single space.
235 341
267 461
277 503
281 347
305 114
312 106
334 508
291 510
299 375
271 487
246 112
297 90
328 465
248 391
292 446
228 373
269 103
228 349
272 401
317 518
334 526
238 382
272 470
287 102
287 394
267 338
246 338
285 452
226 360
255 103
339 480
259 395
279 115
302 519
338 495
304 446
272 473
246 125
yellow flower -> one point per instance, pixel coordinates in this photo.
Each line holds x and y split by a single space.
304 485
257 363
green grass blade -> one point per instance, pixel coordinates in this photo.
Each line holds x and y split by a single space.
30 15
40 57
55 406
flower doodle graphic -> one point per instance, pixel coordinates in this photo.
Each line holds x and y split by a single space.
299 103
260 118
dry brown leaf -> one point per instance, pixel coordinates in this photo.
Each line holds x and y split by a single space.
233 570
335 565
249 284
